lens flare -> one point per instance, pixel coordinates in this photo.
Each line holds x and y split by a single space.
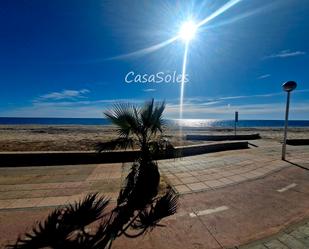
182 86
187 31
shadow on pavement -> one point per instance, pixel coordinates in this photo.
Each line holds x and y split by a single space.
298 165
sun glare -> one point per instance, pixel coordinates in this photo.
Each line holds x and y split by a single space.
187 31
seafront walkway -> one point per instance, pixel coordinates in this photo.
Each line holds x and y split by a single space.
227 199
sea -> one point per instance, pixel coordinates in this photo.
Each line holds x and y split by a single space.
198 123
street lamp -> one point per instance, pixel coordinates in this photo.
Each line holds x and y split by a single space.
288 87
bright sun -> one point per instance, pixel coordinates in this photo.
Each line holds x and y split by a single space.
187 31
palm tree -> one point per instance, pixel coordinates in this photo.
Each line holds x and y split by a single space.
139 208
142 128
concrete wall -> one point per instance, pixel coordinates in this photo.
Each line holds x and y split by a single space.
223 137
11 159
297 141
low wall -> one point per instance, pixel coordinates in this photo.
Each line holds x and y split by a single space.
208 148
223 137
11 159
297 141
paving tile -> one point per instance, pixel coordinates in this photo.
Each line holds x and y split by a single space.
197 186
248 175
237 178
263 171
275 244
226 180
296 234
74 198
25 203
205 176
196 173
187 180
38 193
5 203
183 175
291 242
170 176
175 181
254 247
182 189
304 230
52 201
304 240
258 174
226 174
214 183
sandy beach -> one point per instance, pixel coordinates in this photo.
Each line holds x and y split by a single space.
85 137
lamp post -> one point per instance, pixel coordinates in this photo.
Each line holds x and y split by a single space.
288 87
236 121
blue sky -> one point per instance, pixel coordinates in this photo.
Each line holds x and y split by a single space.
70 58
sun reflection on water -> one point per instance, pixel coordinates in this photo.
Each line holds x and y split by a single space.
196 122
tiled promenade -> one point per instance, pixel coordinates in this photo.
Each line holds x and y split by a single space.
56 185
210 171
227 198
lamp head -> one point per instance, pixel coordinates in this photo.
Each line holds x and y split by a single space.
289 86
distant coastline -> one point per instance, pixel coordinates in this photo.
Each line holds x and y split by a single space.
199 123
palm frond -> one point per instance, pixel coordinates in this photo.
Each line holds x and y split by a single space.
124 117
163 207
157 122
82 213
55 230
45 234
98 240
151 116
146 114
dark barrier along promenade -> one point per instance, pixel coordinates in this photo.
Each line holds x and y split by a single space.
297 141
16 159
223 137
